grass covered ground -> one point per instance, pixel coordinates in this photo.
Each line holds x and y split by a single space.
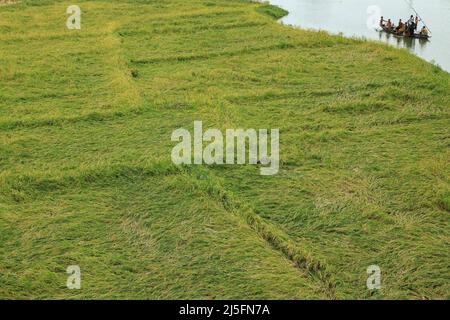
86 177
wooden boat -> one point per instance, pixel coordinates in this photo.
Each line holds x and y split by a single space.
404 35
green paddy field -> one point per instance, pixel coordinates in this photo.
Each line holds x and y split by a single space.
86 176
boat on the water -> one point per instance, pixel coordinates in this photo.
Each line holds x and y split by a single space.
406 35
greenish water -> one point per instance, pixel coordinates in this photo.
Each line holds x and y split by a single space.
351 17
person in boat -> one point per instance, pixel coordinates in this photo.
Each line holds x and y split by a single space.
382 21
412 22
401 27
410 26
417 22
389 24
424 31
412 29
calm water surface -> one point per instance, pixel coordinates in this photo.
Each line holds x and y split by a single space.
351 17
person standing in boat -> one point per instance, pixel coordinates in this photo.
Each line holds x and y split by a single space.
410 26
382 22
417 22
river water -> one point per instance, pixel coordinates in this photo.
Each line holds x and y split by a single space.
353 18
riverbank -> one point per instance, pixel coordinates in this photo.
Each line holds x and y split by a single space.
86 119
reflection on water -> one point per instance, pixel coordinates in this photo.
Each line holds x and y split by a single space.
350 18
403 42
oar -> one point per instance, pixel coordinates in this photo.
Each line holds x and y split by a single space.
417 14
